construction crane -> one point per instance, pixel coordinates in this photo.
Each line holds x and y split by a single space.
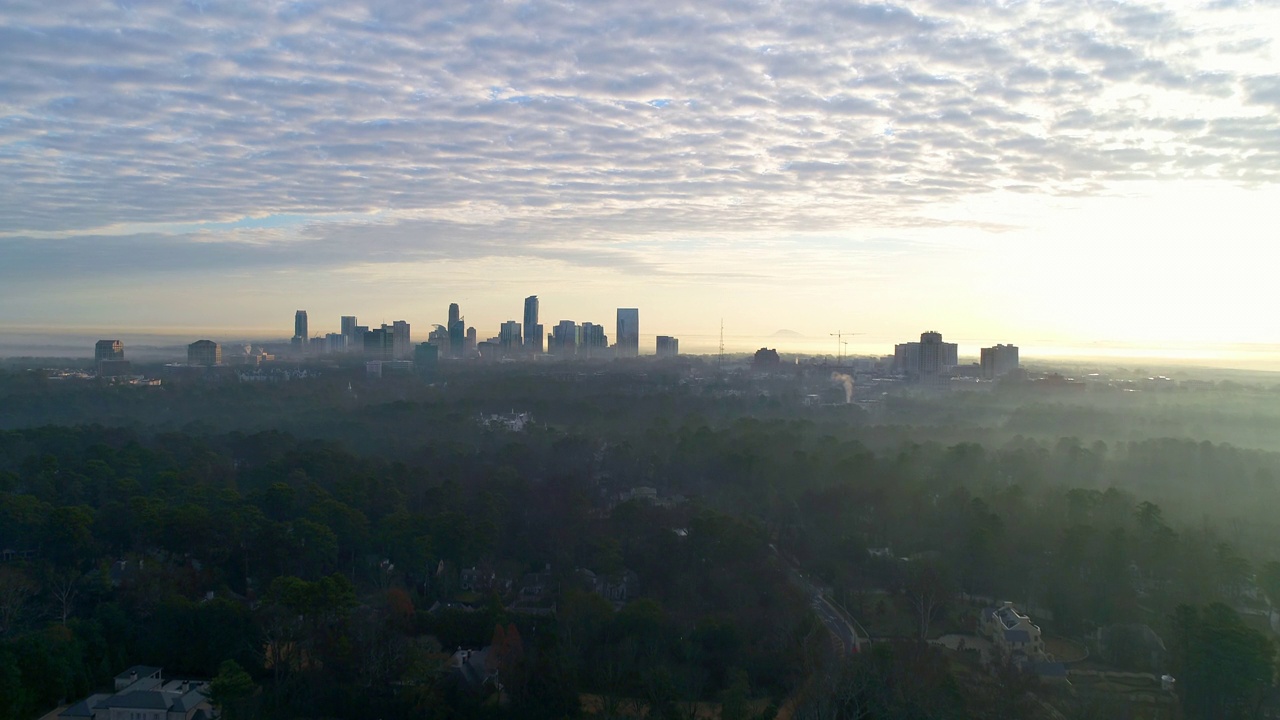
840 344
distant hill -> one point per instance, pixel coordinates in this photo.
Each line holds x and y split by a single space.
786 334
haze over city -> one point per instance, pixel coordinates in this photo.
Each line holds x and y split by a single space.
1077 178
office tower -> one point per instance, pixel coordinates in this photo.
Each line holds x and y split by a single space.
470 345
108 350
457 331
668 347
930 357
593 343
349 330
532 330
108 356
379 344
204 352
565 338
401 349
627 333
439 336
509 337
300 327
999 360
334 343
426 358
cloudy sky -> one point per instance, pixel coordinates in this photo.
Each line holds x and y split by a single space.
1056 174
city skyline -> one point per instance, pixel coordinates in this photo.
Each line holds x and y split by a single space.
1061 177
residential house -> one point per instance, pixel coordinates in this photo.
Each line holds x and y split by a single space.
1013 633
469 667
141 693
618 589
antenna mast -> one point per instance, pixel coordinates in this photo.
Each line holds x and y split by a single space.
720 358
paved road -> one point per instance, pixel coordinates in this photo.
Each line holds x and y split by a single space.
844 636
836 624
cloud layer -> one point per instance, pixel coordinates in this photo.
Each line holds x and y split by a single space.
573 130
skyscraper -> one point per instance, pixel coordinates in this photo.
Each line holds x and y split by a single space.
108 350
108 356
204 352
300 327
565 338
593 342
401 349
627 332
532 330
668 347
349 336
380 344
999 360
931 357
509 337
426 357
457 331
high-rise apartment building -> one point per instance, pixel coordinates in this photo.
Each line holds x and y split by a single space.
999 360
627 333
204 352
931 357
667 346
532 329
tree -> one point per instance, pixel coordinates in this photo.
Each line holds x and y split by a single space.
928 590
1224 667
15 590
1269 579
735 700
64 587
231 690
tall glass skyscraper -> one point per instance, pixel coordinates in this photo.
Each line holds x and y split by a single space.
627 333
300 326
532 330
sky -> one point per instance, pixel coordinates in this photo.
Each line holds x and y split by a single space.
1067 175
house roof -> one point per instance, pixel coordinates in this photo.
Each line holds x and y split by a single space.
85 707
139 700
142 670
187 701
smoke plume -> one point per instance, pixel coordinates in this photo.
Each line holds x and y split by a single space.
847 381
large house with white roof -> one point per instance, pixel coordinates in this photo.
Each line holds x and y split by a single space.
142 694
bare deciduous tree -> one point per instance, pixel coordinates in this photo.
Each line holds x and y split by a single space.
15 590
64 588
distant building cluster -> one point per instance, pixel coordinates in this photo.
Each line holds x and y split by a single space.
931 360
454 339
